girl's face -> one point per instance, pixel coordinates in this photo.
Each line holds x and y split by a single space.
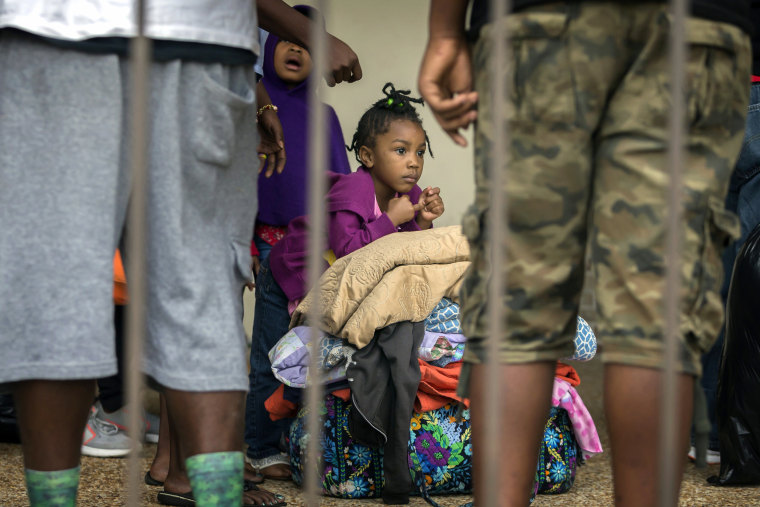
397 158
292 63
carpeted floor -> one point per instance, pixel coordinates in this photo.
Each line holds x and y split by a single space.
101 483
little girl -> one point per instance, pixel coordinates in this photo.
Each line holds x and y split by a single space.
380 198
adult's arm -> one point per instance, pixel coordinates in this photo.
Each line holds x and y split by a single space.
445 80
279 18
338 155
271 149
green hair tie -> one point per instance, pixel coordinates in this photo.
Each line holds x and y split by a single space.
390 101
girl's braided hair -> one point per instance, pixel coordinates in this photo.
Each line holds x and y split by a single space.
396 105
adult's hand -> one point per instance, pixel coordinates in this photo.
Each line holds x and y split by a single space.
445 82
271 147
343 64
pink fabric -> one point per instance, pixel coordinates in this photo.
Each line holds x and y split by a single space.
565 396
377 212
292 305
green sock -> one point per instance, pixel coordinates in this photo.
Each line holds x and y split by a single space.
56 488
216 478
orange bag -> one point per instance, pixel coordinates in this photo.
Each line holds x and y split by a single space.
120 296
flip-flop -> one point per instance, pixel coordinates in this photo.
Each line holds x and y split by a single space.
150 481
178 499
187 500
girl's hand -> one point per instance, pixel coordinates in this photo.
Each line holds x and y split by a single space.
401 210
430 207
255 266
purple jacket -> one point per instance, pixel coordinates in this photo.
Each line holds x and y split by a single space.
351 225
282 197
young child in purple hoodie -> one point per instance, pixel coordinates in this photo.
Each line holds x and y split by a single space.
282 196
380 198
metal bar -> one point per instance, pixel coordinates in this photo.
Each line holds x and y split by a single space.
317 235
669 412
136 240
498 234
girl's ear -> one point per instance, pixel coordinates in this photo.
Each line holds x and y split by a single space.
366 156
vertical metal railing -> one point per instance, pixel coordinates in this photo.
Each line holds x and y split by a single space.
498 234
317 243
669 408
139 93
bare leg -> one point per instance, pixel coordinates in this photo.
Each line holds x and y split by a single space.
159 469
632 405
526 391
201 423
52 416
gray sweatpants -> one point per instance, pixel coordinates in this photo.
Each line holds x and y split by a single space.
64 180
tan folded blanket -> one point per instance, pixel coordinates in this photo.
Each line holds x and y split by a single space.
399 277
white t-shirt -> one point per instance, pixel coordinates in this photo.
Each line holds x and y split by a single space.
224 22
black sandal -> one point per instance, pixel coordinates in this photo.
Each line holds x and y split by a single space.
150 481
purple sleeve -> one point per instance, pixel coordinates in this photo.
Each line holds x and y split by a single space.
338 156
348 232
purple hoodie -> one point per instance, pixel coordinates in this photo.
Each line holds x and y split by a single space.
282 197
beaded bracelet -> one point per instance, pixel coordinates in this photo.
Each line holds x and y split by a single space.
264 108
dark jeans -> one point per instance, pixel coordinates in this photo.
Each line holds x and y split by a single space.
263 247
743 199
270 322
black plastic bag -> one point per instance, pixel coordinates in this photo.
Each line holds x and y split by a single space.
738 400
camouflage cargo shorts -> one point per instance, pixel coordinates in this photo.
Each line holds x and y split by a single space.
586 168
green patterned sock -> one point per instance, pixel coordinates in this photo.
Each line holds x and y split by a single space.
216 478
56 488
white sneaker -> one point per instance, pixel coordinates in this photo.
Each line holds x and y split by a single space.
103 439
712 458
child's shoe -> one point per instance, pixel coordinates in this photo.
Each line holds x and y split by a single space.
121 416
713 457
103 439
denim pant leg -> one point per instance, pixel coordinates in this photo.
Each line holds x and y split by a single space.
743 199
263 247
270 322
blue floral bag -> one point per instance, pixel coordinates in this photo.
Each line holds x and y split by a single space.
440 454
440 451
347 469
559 454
